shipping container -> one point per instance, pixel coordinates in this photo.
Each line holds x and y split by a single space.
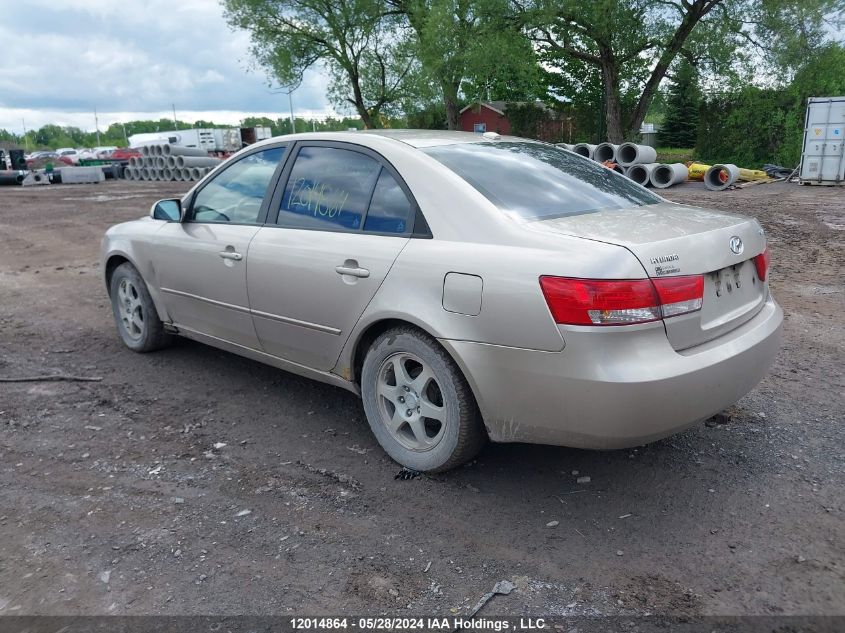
823 158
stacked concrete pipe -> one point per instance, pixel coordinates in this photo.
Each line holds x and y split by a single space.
170 163
641 173
632 154
664 175
605 152
196 161
584 149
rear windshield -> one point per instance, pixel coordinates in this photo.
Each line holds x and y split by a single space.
534 181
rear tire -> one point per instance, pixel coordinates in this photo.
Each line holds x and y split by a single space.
134 311
418 403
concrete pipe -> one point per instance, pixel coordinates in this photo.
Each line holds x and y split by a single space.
177 174
131 161
632 154
196 173
664 176
159 150
720 177
186 173
161 162
167 173
145 150
170 161
641 173
196 161
605 151
145 173
584 149
11 177
177 150
567 146
619 169
128 173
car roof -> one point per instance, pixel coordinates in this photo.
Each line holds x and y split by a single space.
414 138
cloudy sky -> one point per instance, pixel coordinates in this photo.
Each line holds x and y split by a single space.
132 60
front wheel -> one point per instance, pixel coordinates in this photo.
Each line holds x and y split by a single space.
134 311
418 404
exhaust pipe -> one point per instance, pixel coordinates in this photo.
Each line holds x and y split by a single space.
720 177
664 176
584 149
632 154
605 151
641 173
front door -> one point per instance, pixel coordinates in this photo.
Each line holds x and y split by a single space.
343 218
201 262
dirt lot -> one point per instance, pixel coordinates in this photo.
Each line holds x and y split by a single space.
114 499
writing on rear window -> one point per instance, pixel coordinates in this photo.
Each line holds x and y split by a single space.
316 198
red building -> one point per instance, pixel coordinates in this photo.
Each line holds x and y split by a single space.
487 116
491 116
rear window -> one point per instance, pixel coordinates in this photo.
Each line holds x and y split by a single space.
534 181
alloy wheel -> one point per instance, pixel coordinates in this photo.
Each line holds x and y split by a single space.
411 402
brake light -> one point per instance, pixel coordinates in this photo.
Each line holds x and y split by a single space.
620 301
762 263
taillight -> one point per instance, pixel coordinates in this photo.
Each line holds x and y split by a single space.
620 301
762 263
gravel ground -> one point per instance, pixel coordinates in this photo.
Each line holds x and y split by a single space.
191 481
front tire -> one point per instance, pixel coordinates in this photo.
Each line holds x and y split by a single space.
418 404
134 311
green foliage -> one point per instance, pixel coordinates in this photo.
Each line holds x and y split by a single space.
429 117
752 125
680 126
359 42
526 119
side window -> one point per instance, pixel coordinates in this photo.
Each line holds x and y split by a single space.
390 210
235 194
328 188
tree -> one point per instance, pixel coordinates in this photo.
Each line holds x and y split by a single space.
473 48
680 126
631 44
360 42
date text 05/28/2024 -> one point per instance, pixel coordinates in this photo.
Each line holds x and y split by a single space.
417 624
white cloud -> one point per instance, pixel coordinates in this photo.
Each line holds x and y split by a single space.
133 60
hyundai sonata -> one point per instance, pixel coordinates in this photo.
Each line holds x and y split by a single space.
467 286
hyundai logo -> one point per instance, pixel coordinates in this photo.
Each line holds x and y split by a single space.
736 245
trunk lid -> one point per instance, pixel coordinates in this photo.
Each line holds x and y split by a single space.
673 240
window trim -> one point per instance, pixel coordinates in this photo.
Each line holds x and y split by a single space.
268 194
418 227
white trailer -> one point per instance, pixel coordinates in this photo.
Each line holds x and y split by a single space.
823 158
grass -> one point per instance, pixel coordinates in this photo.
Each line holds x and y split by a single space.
675 154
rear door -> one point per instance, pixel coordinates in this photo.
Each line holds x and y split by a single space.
201 262
341 218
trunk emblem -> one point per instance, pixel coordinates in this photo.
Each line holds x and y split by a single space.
736 245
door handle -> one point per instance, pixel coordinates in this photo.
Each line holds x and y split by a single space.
231 255
352 271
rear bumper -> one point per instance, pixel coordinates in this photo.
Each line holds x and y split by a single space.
615 387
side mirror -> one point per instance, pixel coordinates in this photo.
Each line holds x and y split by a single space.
168 210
